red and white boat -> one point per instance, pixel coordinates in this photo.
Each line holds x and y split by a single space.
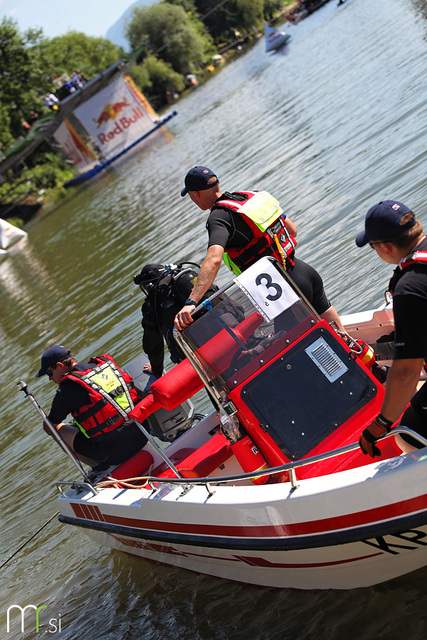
271 489
274 39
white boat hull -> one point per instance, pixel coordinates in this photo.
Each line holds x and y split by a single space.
333 532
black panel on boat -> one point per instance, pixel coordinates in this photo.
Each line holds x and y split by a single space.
308 393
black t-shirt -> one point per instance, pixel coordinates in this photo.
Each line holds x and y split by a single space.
410 311
70 396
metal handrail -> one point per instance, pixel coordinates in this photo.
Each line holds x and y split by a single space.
289 466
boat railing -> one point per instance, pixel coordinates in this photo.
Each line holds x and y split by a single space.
291 467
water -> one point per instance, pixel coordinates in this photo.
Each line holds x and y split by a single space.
331 125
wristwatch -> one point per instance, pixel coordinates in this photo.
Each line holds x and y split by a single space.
190 301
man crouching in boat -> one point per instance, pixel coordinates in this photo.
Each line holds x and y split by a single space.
243 227
392 230
99 396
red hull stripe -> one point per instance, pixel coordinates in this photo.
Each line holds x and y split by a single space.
369 516
251 560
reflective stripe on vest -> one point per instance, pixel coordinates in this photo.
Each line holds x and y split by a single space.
263 215
112 396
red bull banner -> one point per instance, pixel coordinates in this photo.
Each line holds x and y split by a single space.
115 118
75 148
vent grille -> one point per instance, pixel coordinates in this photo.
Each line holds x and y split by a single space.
325 358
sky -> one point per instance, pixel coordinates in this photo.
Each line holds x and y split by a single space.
56 17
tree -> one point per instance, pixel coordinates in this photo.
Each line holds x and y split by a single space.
156 77
22 79
271 8
224 19
76 51
168 33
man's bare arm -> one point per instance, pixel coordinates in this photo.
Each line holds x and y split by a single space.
205 279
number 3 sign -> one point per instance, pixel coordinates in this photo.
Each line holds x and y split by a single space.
270 293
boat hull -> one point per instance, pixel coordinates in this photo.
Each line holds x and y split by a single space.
333 532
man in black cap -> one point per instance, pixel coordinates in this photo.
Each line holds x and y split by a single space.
392 230
244 226
99 396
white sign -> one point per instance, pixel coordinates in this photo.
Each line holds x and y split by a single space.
267 290
115 118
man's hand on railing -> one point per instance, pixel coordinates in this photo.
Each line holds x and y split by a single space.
370 435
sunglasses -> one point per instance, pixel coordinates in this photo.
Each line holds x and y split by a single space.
372 244
50 371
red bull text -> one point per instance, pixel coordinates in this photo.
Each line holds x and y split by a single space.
120 126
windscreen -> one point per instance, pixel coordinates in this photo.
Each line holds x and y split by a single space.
260 314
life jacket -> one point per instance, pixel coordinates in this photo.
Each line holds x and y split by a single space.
263 215
112 396
417 257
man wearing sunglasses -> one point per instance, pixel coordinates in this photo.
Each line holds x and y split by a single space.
392 230
99 396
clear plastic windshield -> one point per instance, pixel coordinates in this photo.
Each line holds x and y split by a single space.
247 324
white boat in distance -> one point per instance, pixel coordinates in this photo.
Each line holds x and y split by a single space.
272 488
274 39
9 236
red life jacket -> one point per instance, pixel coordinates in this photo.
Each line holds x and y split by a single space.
417 257
109 406
263 243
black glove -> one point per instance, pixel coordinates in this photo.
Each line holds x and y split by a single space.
370 435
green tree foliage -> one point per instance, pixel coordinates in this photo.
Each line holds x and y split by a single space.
76 51
224 19
156 77
272 7
23 80
169 34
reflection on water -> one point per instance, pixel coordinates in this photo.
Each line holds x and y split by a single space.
332 124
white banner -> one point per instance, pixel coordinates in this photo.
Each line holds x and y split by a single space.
74 146
115 118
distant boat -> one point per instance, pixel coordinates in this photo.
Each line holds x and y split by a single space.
9 235
274 39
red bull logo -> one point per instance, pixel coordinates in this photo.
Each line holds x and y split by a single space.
110 112
121 125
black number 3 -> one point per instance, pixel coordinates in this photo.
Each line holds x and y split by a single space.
269 284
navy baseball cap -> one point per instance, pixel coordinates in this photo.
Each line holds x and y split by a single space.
384 222
56 353
197 180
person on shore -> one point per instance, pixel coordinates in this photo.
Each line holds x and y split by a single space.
99 396
166 288
392 230
236 234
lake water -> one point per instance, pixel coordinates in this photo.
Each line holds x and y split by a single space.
331 125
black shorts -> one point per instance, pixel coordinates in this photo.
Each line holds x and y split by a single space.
113 447
310 283
415 417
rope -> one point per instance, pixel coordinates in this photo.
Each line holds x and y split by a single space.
28 540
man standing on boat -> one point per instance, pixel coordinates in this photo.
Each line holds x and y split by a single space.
166 288
99 396
237 233
392 230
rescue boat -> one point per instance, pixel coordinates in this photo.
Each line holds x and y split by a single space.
271 488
